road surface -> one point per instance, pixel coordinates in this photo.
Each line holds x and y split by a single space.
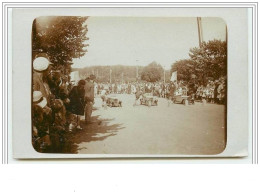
175 129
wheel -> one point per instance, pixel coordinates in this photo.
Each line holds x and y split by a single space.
183 102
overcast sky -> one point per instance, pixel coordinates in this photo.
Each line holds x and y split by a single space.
141 40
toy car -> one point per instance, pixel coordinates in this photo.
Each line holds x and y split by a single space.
149 100
113 102
183 98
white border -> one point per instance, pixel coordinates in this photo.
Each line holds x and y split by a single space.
229 15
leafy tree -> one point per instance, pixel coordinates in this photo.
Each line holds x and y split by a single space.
210 61
185 69
207 62
61 38
152 73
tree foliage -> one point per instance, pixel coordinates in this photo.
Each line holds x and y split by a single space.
207 62
120 73
62 38
152 73
184 68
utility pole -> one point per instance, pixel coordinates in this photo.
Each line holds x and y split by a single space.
226 34
200 30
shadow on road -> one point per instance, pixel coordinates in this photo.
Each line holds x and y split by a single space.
96 131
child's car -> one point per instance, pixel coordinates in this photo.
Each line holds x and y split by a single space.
183 98
113 101
149 100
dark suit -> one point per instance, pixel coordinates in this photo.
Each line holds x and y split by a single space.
89 99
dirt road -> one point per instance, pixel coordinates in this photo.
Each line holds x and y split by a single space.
177 129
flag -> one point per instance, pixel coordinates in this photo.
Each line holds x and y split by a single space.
174 76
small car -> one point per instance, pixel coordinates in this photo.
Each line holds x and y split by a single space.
149 100
113 102
183 98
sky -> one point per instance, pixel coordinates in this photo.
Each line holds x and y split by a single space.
142 40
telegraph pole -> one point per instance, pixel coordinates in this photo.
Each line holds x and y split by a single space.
200 30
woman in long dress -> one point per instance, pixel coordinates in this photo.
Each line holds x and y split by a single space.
77 102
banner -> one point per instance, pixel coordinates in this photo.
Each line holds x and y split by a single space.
174 76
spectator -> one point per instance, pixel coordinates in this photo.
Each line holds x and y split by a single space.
40 74
77 101
89 98
42 119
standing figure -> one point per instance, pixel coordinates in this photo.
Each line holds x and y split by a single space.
138 94
104 98
77 101
172 89
89 97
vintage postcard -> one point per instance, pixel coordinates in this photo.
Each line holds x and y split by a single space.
131 85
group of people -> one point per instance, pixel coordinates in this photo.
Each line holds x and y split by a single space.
212 92
57 105
131 88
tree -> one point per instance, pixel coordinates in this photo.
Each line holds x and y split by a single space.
152 73
184 68
62 38
207 62
210 61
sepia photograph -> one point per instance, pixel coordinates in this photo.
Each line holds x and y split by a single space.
129 85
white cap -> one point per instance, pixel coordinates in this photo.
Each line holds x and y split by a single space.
39 99
40 64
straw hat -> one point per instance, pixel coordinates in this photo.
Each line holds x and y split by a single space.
38 99
41 64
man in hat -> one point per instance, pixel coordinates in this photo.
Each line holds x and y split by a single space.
42 119
89 97
40 72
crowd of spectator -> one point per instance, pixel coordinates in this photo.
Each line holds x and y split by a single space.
58 104
211 92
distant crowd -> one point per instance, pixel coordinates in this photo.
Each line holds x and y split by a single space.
212 92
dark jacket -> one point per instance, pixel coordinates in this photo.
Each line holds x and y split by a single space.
77 103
